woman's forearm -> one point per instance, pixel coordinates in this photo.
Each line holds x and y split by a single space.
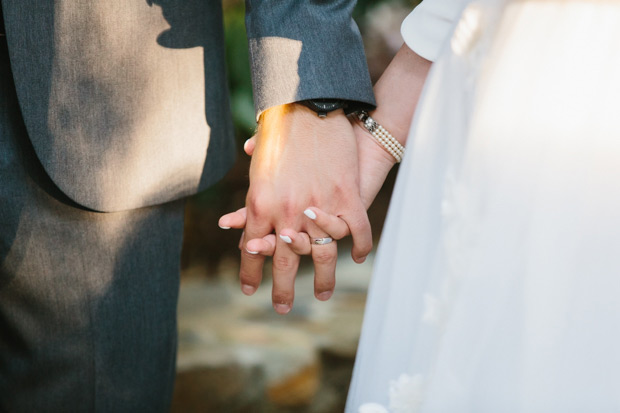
397 93
398 90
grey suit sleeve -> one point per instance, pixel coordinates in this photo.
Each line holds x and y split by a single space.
306 49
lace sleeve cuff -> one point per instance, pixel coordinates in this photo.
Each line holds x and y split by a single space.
429 25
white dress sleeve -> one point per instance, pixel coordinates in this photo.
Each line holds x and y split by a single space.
428 26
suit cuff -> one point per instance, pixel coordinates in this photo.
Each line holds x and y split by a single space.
303 50
287 70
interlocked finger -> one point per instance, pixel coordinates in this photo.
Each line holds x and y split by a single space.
324 257
235 219
251 271
299 242
324 254
361 232
285 265
265 246
336 227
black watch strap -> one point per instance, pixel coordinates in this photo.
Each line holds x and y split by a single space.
323 106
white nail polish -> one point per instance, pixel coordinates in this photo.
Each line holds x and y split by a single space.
310 213
251 252
223 227
286 239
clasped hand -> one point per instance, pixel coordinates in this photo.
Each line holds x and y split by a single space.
305 184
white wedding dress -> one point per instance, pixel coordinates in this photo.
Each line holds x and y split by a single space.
497 283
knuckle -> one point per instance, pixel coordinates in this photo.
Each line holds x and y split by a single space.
258 205
283 263
341 191
359 223
324 257
288 207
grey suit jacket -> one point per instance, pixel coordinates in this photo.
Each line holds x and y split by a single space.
126 101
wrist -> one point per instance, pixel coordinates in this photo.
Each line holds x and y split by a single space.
313 113
392 124
370 148
381 136
398 91
374 164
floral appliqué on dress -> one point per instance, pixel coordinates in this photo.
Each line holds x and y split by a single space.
405 396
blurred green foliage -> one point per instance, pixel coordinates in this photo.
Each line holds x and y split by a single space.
238 64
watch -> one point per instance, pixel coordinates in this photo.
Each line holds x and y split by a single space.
323 106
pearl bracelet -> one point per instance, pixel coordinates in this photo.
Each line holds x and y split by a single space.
382 136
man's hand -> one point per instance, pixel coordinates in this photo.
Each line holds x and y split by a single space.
374 165
300 160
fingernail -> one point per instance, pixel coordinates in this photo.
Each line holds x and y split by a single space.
223 227
324 296
282 308
248 289
310 213
251 252
286 239
360 260
246 143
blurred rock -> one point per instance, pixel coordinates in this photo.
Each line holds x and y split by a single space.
298 389
236 354
232 388
381 33
383 24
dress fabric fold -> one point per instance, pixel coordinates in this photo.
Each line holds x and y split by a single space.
497 279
